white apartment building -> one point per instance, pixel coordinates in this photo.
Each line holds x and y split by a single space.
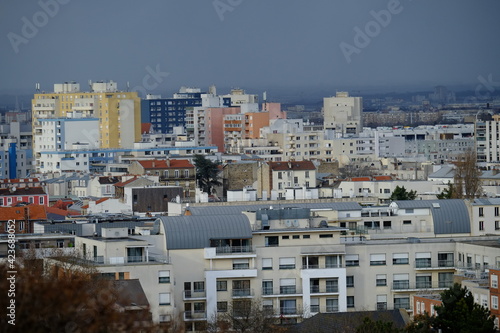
487 140
342 114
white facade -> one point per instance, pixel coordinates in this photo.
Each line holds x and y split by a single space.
343 113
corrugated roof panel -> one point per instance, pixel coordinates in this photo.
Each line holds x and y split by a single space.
450 216
237 209
195 232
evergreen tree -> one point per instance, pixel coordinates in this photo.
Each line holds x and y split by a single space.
206 173
400 193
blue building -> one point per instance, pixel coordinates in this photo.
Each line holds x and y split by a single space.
166 113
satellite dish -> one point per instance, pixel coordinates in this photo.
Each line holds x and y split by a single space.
288 223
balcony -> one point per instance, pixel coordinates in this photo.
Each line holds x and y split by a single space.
324 290
420 285
192 295
133 260
234 249
288 290
247 292
432 264
288 311
195 315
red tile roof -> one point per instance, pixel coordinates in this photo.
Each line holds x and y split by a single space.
62 212
36 212
380 178
292 165
145 128
22 191
121 184
360 179
163 164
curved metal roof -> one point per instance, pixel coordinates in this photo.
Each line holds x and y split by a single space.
450 216
195 232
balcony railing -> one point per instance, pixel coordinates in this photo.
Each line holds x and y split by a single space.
428 263
234 249
406 285
285 290
267 291
189 294
131 260
242 292
328 289
195 315
288 311
324 266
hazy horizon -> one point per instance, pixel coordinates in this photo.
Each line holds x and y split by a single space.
257 45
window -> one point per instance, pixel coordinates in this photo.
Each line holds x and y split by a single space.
352 260
221 306
267 287
406 221
332 285
332 305
423 281
222 285
387 224
409 210
400 259
287 263
481 225
199 286
494 281
333 261
241 264
296 236
381 302
401 281
494 302
288 306
287 286
325 235
21 225
272 241
381 280
497 211
314 306
402 302
163 276
285 237
164 298
422 259
267 263
377 259
306 236
41 200
481 211
497 225
349 281
241 288
350 301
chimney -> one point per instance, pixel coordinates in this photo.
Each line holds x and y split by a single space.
154 164
168 162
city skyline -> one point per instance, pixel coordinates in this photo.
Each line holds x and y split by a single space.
253 45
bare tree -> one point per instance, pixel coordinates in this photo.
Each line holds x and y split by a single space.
466 179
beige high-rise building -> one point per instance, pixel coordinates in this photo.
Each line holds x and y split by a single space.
343 114
118 114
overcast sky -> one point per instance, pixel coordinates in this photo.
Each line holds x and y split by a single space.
258 44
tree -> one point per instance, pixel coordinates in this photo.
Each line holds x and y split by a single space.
206 173
448 193
353 169
400 193
458 313
466 179
49 298
246 316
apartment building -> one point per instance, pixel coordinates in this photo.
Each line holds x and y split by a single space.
342 114
487 140
111 118
16 151
118 256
